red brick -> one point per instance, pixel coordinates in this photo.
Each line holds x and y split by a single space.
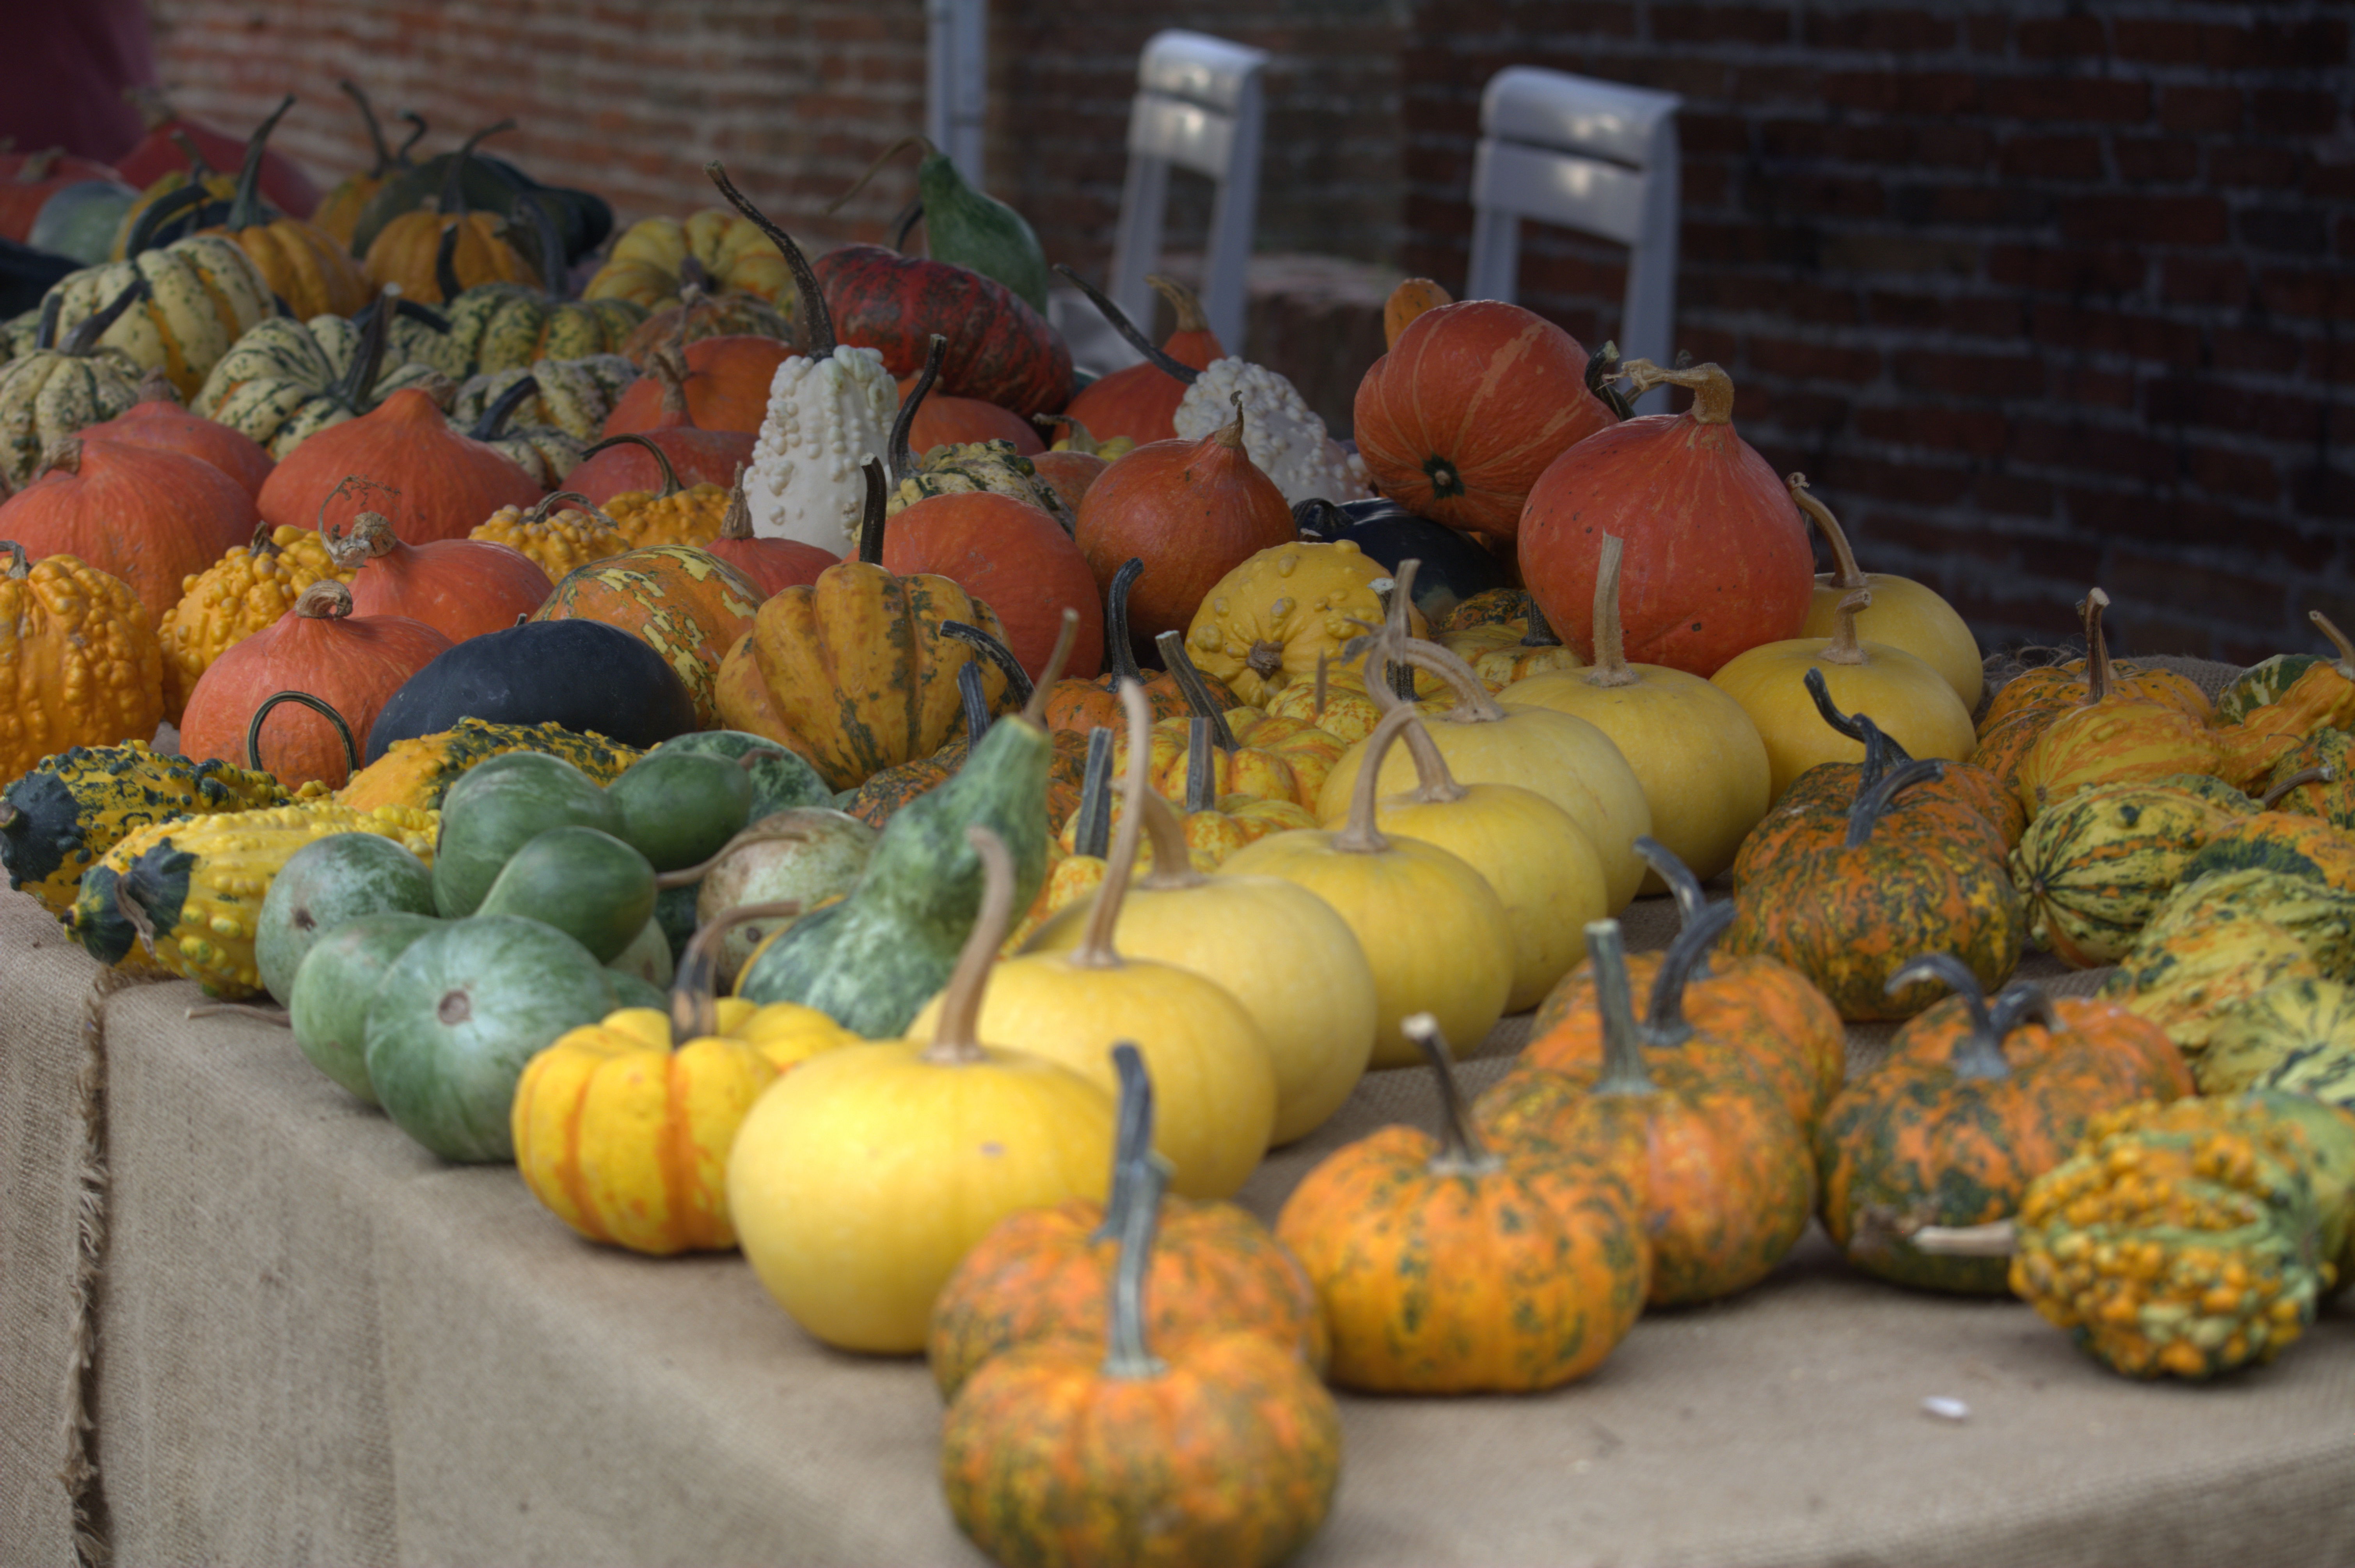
1810 361
1971 374
2059 38
2144 219
2282 414
1919 483
2324 492
1880 32
1679 23
2011 493
2307 293
2106 100
2066 271
2297 231
2293 113
2246 164
2138 578
2093 450
2167 158
1971 315
2113 332
2205 281
2200 109
2234 348
1977 432
1902 92
2242 476
2052 157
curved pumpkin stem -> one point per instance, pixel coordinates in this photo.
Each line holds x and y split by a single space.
557 283
694 1007
502 408
1462 1150
1713 389
1874 799
342 730
957 1039
245 206
1691 899
1131 1143
904 462
1436 782
1845 574
1091 835
1183 302
2099 675
547 505
905 224
1857 727
1018 680
1173 859
1844 648
1127 1356
359 384
885 156
1667 1024
1118 651
1153 354
1996 1238
671 486
2298 780
2345 663
1174 658
974 700
875 514
83 339
1360 835
1096 950
1474 704
454 178
148 230
814 321
45 334
1622 1045
1978 1052
1034 712
1600 373
1611 667
351 89
1201 767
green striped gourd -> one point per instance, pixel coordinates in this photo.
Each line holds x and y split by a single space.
2094 868
2260 683
574 395
62 385
506 326
2287 842
2225 938
547 452
285 381
2298 1036
204 294
2331 798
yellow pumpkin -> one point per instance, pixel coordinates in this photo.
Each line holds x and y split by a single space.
1212 1071
79 659
656 257
1486 741
247 590
1700 760
558 540
1906 696
622 1128
2115 735
858 1182
1904 613
1434 931
1264 625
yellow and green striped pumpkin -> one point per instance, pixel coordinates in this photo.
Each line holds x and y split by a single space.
204 294
505 326
285 381
2094 868
2285 841
575 395
2299 1035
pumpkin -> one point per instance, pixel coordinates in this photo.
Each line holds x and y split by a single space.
1566 759
445 482
999 349
772 566
2226 937
657 259
1907 697
854 666
1902 614
1216 1079
2093 869
1082 705
303 264
1472 403
687 605
1972 1104
1718 560
1722 1169
1966 784
1434 931
882 794
1267 623
1063 1454
83 664
1043 1274
1192 511
1408 303
621 1127
63 386
1704 768
2278 841
338 211
665 456
203 294
31 182
322 650
556 537
2298 1036
2316 779
461 587
2321 696
2114 736
727 387
2056 687
959 468
173 140
1849 916
1013 556
418 770
574 395
286 380
581 675
671 515
954 1137
1467 1263
151 518
1139 402
159 420
507 325
1069 474
695 315
544 453
1283 953
941 421
436 254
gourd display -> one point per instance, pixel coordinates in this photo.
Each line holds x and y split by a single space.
772 565
151 518
2093 870
1469 1263
1270 621
445 482
324 884
203 294
1705 770
63 386
286 380
1721 1172
1139 402
562 530
507 325
57 817
163 149
1012 556
500 806
688 606
715 251
1408 302
2278 841
1452 567
1079 705
326 1008
695 315
159 420
338 211
2112 737
580 674
950 1138
667 455
303 264
1066 1452
82 662
816 855
1717 560
726 384
1472 403
426 251
418 770
1902 614
461 587
1976 1098
966 225
2226 937
2298 1036
2054 687
999 349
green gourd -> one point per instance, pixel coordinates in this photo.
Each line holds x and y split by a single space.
327 1005
781 781
502 805
588 884
969 226
647 957
678 809
322 886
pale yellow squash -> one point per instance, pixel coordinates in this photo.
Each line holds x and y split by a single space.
1903 614
1263 625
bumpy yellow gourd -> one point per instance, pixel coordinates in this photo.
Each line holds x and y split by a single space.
246 591
79 664
1212 1070
690 516
863 1177
1434 930
419 770
1263 626
1903 614
558 541
1700 758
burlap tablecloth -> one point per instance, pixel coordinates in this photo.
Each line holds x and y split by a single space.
318 1344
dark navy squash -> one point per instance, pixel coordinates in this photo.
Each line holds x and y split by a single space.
1454 567
581 675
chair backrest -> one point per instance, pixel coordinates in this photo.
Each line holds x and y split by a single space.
1595 156
1198 107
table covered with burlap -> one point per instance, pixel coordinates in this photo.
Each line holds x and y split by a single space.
313 1343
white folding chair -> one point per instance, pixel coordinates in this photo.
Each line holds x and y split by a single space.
1590 156
1198 107
956 80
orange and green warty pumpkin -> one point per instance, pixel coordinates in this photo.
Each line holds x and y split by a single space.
1974 1102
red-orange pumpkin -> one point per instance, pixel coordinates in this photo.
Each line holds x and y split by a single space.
461 588
161 422
727 387
354 663
943 421
447 482
1477 399
667 456
149 517
770 565
1718 559
1071 475
1193 512
1013 557
1141 401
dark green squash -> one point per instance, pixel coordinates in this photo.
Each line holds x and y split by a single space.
499 807
584 675
327 1005
781 781
588 884
679 808
324 884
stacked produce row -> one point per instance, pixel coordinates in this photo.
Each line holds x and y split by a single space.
701 743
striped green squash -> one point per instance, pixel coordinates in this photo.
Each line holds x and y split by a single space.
2093 870
574 395
285 381
58 389
2299 1035
2260 683
2285 841
204 294
505 326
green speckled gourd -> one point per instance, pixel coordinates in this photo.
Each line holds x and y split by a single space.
505 326
871 961
968 466
2298 1036
781 781
326 883
2262 682
286 380
574 395
2212 790
588 883
2225 938
2092 870
56 819
2285 841
498 808
62 385
2330 751
326 1008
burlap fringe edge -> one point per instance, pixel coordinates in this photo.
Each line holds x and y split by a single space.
79 1473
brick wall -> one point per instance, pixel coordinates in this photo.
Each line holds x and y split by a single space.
2038 296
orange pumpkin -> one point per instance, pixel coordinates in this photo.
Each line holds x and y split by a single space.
444 482
1080 706
665 456
151 517
685 604
727 387
1140 401
304 265
415 248
771 564
461 588
160 421
1012 555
